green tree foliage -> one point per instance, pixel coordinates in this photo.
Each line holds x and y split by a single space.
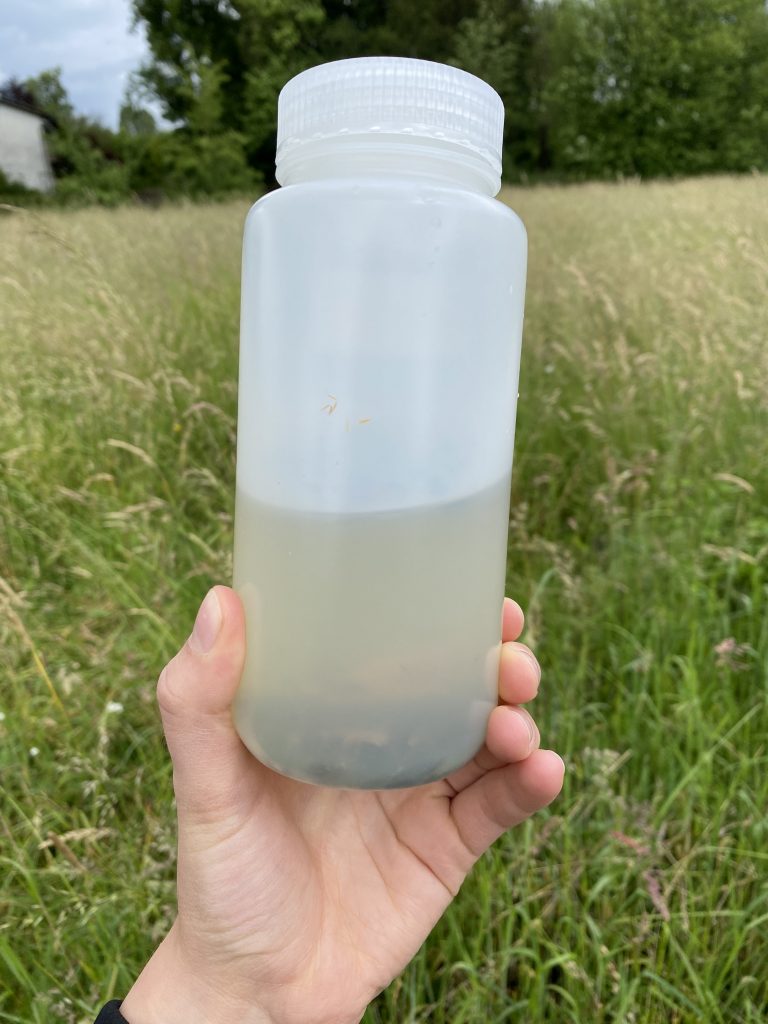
651 87
135 120
91 163
498 44
87 158
47 92
179 163
591 88
226 61
252 48
280 40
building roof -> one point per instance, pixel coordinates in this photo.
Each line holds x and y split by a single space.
26 108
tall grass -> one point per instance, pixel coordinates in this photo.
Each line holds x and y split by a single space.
638 544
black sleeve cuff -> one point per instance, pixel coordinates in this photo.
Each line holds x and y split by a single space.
111 1014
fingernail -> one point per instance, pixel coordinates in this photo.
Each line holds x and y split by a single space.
207 624
532 660
528 724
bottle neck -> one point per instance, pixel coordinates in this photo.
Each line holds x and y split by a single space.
429 161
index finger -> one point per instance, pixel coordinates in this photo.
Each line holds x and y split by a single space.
512 620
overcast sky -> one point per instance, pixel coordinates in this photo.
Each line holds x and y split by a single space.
91 40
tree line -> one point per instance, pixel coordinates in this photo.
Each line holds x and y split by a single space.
591 88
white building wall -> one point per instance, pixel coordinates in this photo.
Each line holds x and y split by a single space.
23 156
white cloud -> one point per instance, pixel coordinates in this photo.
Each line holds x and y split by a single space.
91 40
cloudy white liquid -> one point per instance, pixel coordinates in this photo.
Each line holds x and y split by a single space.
373 638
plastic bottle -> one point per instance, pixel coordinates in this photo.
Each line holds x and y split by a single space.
382 308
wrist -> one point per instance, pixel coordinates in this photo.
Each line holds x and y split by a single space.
168 992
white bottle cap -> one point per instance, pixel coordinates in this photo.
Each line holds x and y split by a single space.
398 99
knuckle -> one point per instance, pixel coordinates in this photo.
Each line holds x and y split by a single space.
168 691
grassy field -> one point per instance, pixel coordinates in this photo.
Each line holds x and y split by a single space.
638 545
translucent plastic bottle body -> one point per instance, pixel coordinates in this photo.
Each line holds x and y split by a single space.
380 344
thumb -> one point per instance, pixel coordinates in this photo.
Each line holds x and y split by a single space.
195 692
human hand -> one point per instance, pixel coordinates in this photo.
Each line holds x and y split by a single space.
297 904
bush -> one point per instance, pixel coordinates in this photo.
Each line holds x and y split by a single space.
181 164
